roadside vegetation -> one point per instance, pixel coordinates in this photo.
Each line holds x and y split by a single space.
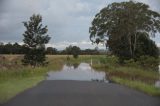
131 74
15 78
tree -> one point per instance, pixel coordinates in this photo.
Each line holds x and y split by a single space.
146 46
51 50
1 48
68 50
75 51
121 25
8 48
35 39
16 48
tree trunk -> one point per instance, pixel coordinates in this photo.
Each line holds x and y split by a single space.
135 44
130 45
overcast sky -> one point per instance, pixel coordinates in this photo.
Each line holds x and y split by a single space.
68 20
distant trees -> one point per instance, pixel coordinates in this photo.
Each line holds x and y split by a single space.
51 50
76 51
35 39
68 50
126 28
12 48
91 52
73 50
22 49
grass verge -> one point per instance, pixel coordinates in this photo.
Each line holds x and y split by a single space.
11 87
146 88
15 78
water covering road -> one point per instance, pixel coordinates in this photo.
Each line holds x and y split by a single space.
81 72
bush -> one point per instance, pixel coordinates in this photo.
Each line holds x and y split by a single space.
131 63
109 60
75 55
148 62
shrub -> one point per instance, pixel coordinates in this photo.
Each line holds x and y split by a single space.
148 62
131 63
109 60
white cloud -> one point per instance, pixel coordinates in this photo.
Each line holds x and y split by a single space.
68 20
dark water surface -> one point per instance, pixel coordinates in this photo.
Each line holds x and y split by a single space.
81 72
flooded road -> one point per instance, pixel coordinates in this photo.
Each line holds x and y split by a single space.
81 72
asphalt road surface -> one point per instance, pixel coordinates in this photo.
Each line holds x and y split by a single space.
81 93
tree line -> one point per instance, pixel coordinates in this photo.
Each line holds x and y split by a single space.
12 48
17 48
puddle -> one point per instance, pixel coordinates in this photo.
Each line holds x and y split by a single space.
81 72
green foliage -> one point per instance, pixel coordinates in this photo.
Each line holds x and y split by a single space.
130 63
73 50
145 46
121 25
108 60
145 62
12 48
146 88
35 39
35 57
68 50
148 62
51 50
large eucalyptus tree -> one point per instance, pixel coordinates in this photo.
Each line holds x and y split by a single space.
121 24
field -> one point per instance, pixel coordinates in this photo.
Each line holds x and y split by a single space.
15 78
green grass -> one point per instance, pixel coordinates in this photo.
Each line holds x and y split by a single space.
138 85
11 87
15 81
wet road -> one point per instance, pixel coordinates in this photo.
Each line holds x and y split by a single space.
81 93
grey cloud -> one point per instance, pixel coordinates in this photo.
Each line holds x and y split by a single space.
67 20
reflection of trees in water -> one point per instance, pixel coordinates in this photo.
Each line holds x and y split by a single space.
75 65
68 64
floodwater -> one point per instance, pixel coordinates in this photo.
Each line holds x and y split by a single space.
81 72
